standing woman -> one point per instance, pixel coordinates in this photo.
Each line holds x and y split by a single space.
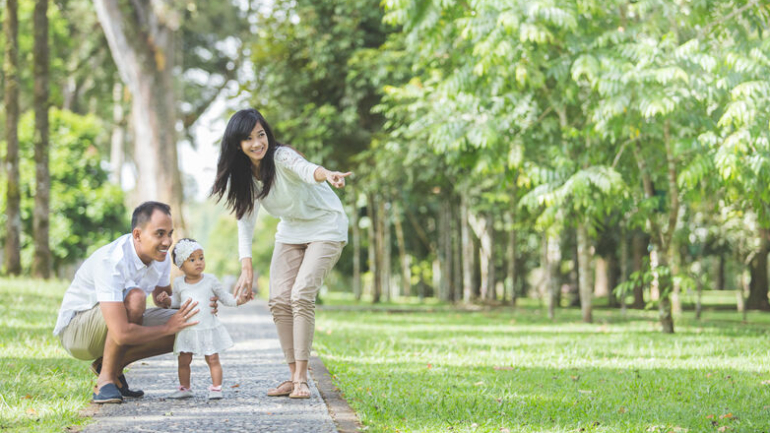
255 170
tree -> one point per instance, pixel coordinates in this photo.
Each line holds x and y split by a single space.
42 264
142 39
742 143
13 198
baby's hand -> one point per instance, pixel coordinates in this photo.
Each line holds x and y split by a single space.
163 300
245 297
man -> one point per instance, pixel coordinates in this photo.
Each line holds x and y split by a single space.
103 316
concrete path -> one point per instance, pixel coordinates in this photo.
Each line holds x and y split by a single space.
252 366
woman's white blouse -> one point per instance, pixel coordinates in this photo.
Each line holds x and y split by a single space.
309 211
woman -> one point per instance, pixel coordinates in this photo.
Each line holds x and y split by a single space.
255 170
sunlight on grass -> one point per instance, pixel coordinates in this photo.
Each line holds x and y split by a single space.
517 371
42 388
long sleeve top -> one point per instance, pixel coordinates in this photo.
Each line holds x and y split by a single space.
309 210
201 292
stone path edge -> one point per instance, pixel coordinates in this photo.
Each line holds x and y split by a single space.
343 415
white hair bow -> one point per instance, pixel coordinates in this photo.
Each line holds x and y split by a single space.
183 249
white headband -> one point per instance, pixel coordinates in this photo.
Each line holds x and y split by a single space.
183 249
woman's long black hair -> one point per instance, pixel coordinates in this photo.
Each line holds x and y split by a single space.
234 175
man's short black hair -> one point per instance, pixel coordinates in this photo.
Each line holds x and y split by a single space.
144 211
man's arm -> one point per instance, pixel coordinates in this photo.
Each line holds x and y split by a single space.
126 333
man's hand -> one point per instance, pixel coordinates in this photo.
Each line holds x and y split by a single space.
163 300
179 320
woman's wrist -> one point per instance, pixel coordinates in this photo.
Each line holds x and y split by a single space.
246 264
320 174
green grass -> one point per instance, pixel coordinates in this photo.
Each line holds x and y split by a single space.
505 370
435 369
42 388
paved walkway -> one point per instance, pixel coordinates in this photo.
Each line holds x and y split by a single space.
252 366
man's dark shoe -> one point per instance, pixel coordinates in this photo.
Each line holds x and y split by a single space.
109 393
125 391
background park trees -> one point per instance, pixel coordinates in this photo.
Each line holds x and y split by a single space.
562 150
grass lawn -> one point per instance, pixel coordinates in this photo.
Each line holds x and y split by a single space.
516 371
435 369
42 388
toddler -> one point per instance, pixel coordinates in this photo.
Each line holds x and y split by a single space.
209 336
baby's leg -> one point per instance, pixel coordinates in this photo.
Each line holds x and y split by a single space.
216 369
185 358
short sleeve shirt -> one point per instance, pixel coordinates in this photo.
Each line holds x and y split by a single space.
108 275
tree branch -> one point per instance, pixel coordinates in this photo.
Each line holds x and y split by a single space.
649 192
725 18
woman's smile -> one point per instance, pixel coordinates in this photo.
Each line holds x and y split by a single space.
255 145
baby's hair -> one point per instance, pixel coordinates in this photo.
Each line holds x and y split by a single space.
173 252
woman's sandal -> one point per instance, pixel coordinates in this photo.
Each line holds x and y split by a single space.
276 392
297 390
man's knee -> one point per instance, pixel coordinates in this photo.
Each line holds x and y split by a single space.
136 304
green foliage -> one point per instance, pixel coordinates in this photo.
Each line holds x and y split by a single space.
86 210
316 71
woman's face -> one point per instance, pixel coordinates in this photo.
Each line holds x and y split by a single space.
255 145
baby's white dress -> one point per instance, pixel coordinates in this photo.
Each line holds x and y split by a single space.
209 336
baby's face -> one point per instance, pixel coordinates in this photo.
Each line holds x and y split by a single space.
195 264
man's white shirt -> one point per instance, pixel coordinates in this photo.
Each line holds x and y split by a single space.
107 276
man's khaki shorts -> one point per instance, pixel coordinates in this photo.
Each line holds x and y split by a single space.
85 335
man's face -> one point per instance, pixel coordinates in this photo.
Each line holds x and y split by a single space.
154 239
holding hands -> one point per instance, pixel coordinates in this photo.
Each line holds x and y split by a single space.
243 288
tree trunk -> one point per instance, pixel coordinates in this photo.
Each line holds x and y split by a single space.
699 294
623 266
601 277
676 261
374 267
467 250
117 147
552 269
482 227
356 234
385 248
720 285
613 279
584 261
510 256
758 287
666 240
661 256
662 282
141 38
41 265
445 249
403 258
639 246
457 269
12 194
